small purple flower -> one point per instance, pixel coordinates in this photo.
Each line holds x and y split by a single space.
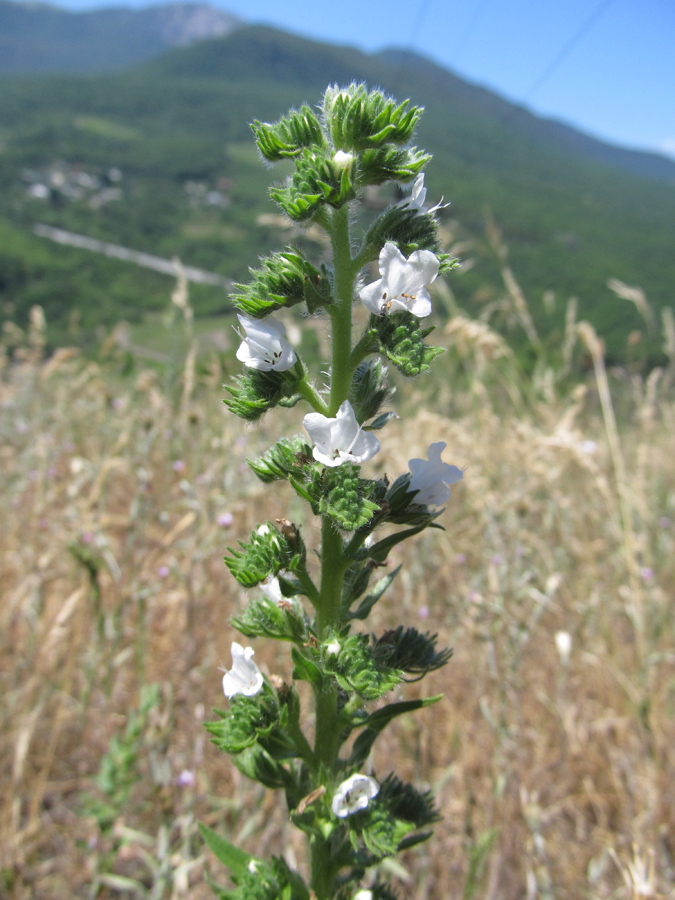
186 778
423 612
163 571
87 537
51 472
497 560
665 522
43 524
225 519
646 573
178 465
460 559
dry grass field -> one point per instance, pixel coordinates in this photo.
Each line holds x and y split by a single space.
553 751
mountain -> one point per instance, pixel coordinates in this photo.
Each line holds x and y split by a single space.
574 211
36 37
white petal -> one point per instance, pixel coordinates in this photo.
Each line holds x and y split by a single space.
244 677
340 439
353 795
426 265
265 347
431 477
372 296
419 192
272 590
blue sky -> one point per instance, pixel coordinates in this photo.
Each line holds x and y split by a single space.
605 66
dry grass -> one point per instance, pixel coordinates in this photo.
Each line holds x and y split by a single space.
555 773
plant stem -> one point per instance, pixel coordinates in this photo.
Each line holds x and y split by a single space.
312 396
341 310
333 561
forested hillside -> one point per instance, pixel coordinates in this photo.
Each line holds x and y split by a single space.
160 158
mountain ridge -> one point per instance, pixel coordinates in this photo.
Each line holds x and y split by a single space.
41 37
178 123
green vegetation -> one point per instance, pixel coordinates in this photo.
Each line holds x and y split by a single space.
190 185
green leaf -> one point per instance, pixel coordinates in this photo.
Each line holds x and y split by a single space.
380 550
378 721
235 859
380 421
304 669
369 601
258 765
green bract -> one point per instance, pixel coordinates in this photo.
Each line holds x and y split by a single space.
344 498
267 553
317 181
284 280
289 135
402 341
318 601
256 392
358 119
285 458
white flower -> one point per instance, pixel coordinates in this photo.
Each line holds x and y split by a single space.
418 195
272 589
563 643
403 282
333 648
353 795
244 677
265 347
431 477
363 894
340 439
341 159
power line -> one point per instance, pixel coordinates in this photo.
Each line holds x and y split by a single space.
546 73
479 9
599 11
421 15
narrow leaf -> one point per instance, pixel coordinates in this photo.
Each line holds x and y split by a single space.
235 859
371 599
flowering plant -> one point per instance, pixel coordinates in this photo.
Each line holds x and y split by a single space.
351 818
